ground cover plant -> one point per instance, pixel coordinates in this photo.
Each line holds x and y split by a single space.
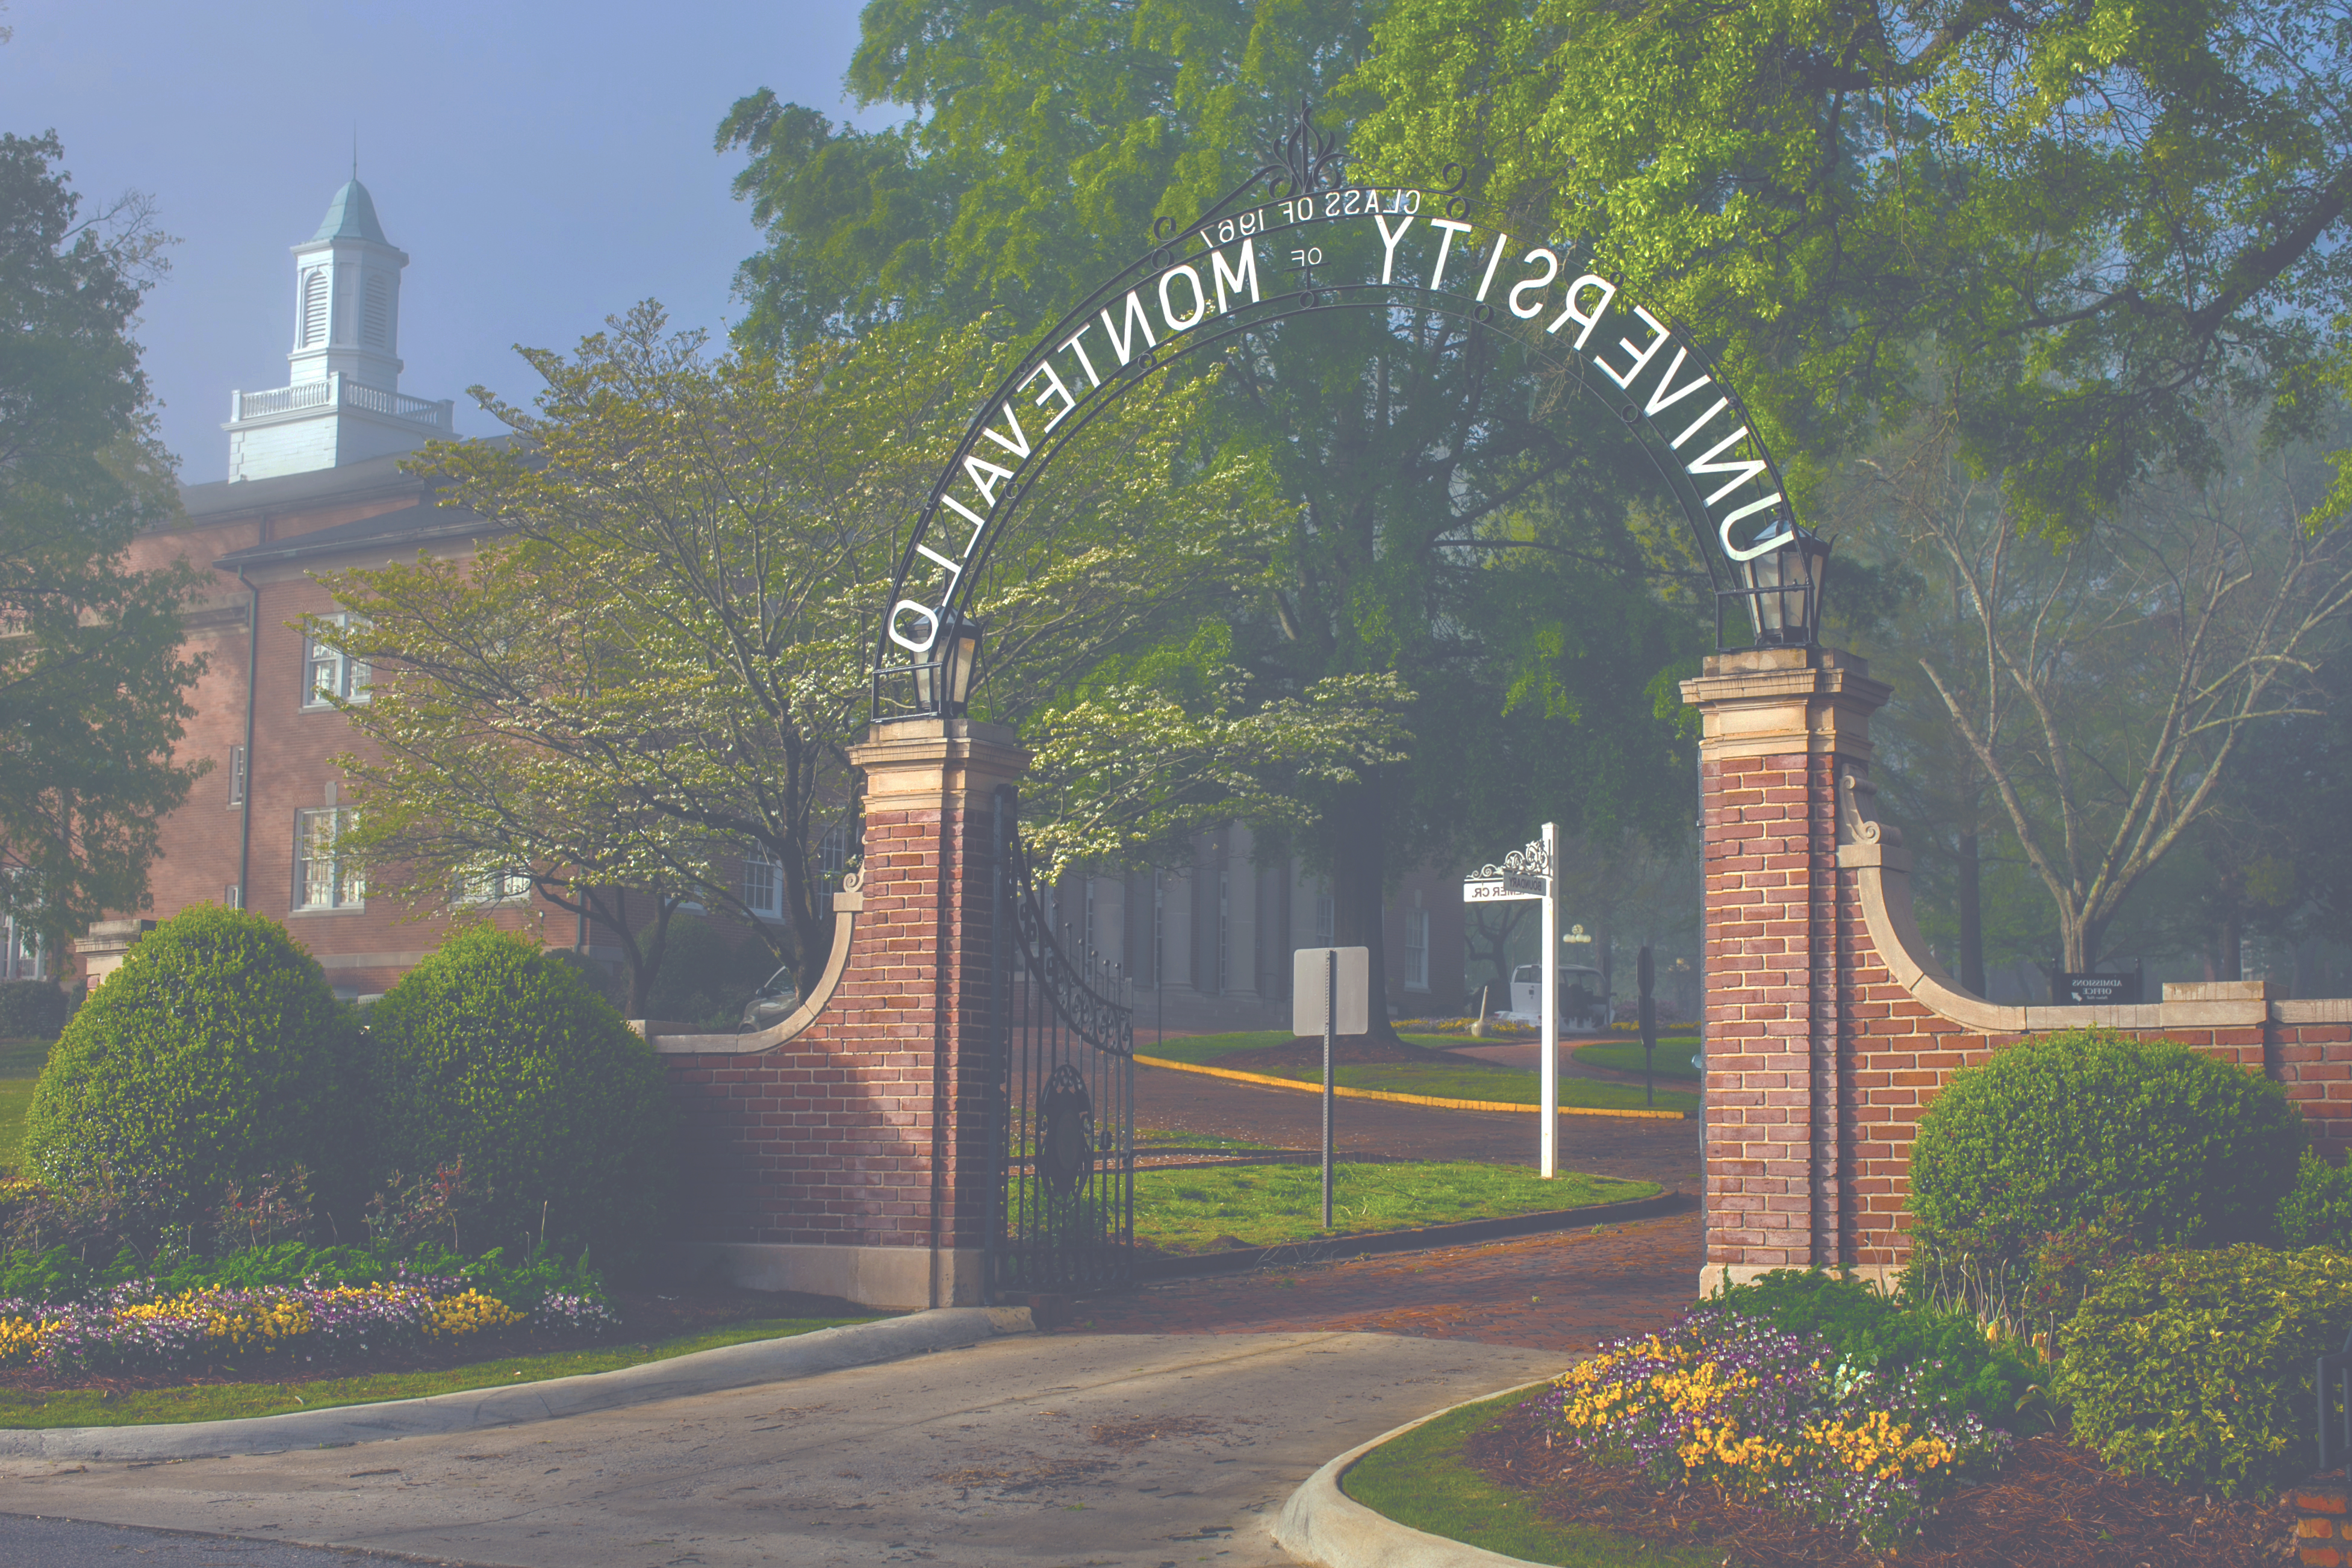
1770 1416
1420 1066
1265 1206
124 1402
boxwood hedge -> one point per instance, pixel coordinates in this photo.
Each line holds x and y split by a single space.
216 1052
2161 1145
495 1054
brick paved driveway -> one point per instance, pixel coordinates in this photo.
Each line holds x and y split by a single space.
1561 1292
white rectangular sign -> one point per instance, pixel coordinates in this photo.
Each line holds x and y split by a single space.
1310 990
1490 890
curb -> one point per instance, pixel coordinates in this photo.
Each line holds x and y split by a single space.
1322 1525
1429 1235
1233 1076
702 1372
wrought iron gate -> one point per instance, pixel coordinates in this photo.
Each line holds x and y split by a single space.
1062 1213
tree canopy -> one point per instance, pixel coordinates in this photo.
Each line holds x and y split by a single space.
1437 522
92 682
2101 217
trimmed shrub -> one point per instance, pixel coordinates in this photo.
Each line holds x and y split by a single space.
2157 1144
2318 1210
31 1010
494 1057
2195 1367
212 1055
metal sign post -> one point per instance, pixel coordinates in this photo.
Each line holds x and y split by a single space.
1528 874
1343 977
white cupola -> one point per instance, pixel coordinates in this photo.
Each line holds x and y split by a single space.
346 296
343 403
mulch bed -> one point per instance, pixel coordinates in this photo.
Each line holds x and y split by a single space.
647 1318
2053 1505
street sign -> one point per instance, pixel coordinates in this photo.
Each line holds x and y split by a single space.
1310 986
1493 889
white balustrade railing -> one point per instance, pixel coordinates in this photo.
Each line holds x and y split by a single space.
338 391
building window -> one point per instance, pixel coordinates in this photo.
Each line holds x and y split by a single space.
327 675
1416 950
314 308
763 887
237 775
495 888
323 879
833 851
1326 920
379 310
25 956
232 897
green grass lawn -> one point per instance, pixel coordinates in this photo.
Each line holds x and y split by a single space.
1674 1059
220 1402
1167 1140
20 1068
1265 1205
1421 1479
1466 1079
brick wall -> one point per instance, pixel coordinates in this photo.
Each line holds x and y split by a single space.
1829 1028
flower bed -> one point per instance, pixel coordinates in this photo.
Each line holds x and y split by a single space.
1774 1417
138 1328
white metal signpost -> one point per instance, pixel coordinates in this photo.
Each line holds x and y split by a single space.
1334 985
1528 874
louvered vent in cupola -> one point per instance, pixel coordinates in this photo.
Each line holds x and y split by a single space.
314 308
379 311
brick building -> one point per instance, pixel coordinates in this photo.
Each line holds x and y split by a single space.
314 486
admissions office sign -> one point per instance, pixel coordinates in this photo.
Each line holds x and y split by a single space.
1292 241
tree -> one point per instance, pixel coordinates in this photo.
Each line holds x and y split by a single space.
2105 692
2099 217
1405 451
660 669
92 683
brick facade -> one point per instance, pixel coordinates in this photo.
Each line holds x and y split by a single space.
1829 1028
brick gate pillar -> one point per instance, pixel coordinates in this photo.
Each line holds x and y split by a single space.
844 1150
1780 727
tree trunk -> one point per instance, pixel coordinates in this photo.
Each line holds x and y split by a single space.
1359 877
1972 971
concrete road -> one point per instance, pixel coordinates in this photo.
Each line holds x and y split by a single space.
1141 1450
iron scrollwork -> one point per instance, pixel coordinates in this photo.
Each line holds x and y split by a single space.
1533 860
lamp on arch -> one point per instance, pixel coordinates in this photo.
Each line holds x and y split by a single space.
1783 585
943 685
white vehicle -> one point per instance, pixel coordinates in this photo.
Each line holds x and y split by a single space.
1584 997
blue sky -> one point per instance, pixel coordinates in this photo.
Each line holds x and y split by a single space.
544 164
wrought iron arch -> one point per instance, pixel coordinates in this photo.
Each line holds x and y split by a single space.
999 460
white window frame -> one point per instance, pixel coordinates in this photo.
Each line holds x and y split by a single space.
344 886
1416 950
329 677
763 886
833 851
507 887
